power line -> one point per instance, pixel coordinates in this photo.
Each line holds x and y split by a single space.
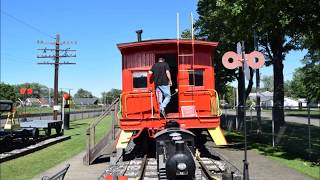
26 24
10 60
5 61
17 58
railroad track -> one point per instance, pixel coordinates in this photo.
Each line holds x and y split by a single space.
146 169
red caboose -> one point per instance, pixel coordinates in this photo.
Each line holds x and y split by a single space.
194 102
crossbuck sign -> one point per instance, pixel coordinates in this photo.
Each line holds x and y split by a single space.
232 60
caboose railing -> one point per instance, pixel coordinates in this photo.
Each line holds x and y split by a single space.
214 99
94 149
137 94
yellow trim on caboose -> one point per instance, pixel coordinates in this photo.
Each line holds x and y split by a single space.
124 139
217 136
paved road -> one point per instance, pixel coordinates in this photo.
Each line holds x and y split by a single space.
268 115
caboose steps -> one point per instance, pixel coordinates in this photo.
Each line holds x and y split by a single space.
217 136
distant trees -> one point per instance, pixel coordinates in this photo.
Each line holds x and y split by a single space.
82 93
229 95
12 92
109 96
7 92
306 80
297 86
267 83
38 90
288 92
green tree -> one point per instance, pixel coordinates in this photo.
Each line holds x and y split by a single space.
229 95
297 85
186 34
305 81
267 83
281 26
110 96
82 93
7 92
287 88
38 90
311 75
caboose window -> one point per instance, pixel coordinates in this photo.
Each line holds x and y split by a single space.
198 74
140 79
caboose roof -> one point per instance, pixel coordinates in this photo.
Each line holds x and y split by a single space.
123 46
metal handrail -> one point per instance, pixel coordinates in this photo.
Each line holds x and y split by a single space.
210 91
104 114
90 131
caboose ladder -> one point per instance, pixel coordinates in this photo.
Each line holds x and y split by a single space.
183 60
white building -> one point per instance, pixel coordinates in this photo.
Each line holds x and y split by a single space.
266 99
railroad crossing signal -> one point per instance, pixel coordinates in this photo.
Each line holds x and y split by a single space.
232 60
255 60
25 91
66 100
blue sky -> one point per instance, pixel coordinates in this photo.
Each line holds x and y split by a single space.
97 26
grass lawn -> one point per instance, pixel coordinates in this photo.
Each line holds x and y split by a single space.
292 150
305 167
30 165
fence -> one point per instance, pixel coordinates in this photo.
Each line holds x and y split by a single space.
300 135
74 115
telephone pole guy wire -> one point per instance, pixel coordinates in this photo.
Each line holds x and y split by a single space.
27 24
23 23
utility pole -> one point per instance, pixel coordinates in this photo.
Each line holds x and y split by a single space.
56 57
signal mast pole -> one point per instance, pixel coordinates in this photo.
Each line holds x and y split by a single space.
243 115
255 42
56 64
